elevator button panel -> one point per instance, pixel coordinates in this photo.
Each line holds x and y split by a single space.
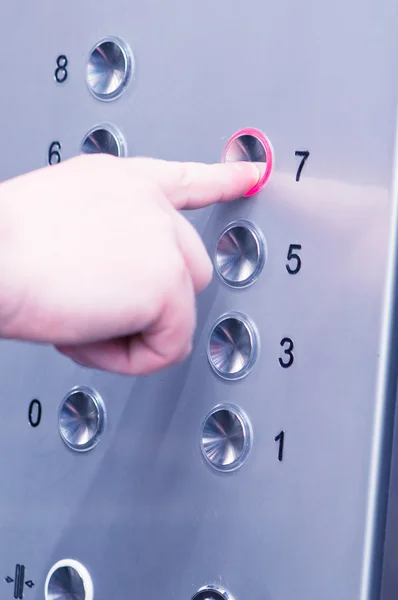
262 459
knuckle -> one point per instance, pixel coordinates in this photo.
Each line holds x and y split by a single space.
178 354
185 178
184 352
177 273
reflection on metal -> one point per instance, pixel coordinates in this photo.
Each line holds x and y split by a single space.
68 580
81 418
240 254
104 139
109 68
212 592
233 346
246 148
251 145
226 438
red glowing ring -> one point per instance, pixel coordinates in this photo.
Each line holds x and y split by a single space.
269 153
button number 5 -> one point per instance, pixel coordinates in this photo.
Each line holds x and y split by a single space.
293 256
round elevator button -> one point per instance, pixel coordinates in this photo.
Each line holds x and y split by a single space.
109 68
212 593
81 418
67 580
233 346
240 254
251 145
226 437
104 139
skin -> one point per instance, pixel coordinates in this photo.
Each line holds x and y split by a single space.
96 259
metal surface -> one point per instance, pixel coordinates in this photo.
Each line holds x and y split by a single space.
109 68
251 145
240 254
246 148
233 346
104 139
144 511
81 418
226 438
68 580
212 593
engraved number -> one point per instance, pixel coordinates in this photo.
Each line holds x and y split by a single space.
281 439
61 72
35 413
288 346
54 153
304 155
293 256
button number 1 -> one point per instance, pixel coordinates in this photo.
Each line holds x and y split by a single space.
281 439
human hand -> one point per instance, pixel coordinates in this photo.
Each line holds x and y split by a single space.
96 259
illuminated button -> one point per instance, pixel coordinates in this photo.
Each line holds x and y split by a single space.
209 592
109 68
240 254
81 418
233 346
67 580
104 139
226 438
251 145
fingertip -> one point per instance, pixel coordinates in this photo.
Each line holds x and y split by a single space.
261 167
251 170
244 177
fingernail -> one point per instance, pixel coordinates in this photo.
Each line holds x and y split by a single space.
261 168
258 169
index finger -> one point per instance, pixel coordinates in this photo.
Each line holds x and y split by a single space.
192 185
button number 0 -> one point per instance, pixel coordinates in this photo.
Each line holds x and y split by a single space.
35 413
